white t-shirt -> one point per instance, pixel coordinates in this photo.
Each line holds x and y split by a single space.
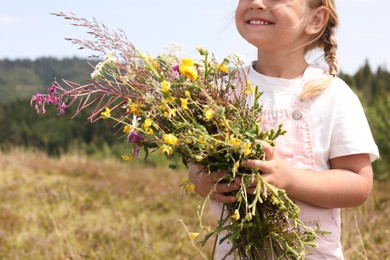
338 123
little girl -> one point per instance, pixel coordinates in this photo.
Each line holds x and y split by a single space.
323 162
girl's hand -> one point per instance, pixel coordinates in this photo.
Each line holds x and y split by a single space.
210 184
274 170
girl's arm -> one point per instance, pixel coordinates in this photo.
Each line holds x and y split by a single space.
347 184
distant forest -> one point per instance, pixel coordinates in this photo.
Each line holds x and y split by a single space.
20 126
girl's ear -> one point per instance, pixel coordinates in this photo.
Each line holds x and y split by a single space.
318 19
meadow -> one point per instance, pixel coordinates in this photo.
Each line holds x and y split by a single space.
75 207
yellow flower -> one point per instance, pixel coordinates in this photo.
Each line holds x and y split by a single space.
223 68
193 235
184 103
187 69
235 141
134 109
127 157
149 131
147 123
168 100
106 113
166 149
201 140
187 94
165 86
247 149
249 90
209 114
147 126
235 168
170 113
188 185
170 139
236 215
126 129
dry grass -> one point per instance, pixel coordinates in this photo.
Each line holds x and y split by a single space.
78 208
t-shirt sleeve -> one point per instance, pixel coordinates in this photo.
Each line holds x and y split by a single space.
351 132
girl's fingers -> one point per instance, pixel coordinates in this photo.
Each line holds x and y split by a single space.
214 177
269 151
225 187
223 198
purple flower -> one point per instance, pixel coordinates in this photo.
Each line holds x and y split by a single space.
175 69
137 140
53 88
61 108
38 102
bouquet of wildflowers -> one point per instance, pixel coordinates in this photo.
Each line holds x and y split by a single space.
196 110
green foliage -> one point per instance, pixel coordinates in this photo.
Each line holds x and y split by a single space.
22 126
21 78
373 90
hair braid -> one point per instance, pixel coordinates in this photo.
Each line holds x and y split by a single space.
330 45
327 41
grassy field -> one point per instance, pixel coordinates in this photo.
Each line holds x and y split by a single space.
78 208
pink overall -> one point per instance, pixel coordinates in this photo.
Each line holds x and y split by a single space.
296 149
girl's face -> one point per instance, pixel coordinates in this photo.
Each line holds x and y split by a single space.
276 25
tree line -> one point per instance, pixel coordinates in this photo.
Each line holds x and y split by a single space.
20 125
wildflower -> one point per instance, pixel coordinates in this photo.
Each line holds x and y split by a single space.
209 114
126 129
235 215
201 140
175 69
249 90
187 69
201 50
184 103
166 149
235 167
187 94
52 90
134 109
247 149
106 113
235 141
137 140
165 86
223 68
170 139
190 187
147 123
61 108
193 235
135 137
171 113
127 157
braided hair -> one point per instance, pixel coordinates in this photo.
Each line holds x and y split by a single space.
325 40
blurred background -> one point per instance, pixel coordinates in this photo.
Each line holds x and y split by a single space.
64 191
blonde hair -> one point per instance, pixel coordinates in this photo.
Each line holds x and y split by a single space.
325 40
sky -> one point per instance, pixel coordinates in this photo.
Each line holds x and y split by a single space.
28 30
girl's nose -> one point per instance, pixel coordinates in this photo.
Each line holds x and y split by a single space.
257 4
